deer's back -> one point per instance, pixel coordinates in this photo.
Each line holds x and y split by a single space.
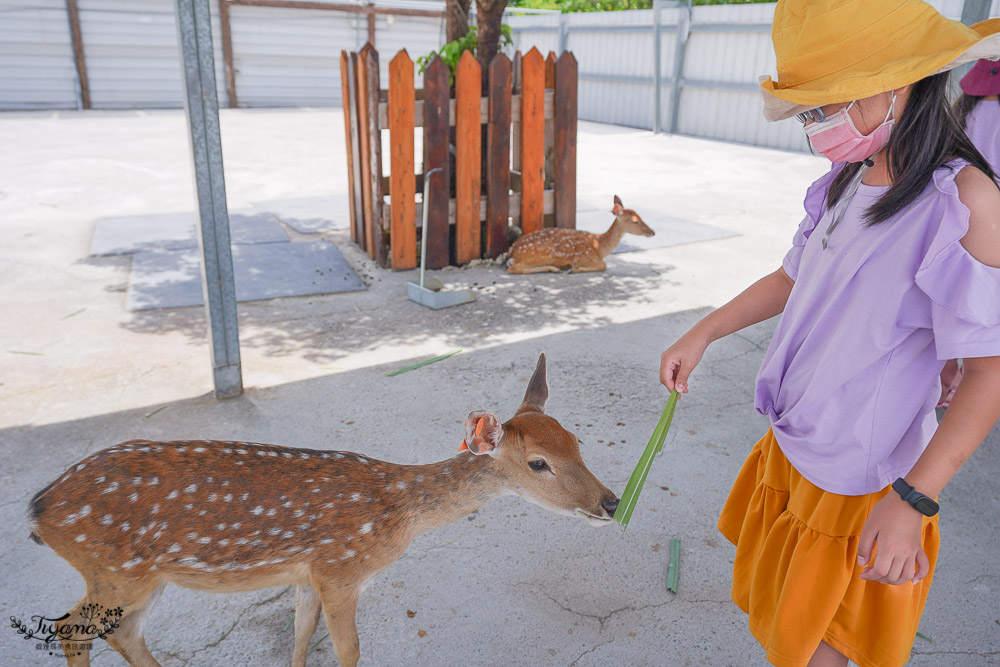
552 243
188 507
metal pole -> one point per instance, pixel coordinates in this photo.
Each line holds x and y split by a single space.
423 224
563 29
657 75
680 47
194 28
975 11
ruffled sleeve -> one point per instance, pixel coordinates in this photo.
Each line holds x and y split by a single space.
815 203
964 292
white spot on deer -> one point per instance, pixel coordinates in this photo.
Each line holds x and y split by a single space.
273 531
153 482
287 455
189 560
350 553
129 564
278 560
366 528
174 548
236 526
313 517
142 531
209 480
270 512
305 526
298 513
239 463
287 534
203 513
337 455
172 495
220 526
328 506
272 453
261 452
204 540
420 478
244 496
71 518
226 450
223 543
182 449
199 449
303 455
107 520
242 541
134 497
212 497
113 486
241 451
355 497
400 485
228 497
308 551
225 483
155 509
191 488
143 449
316 490
189 506
192 536
136 481
327 540
99 480
81 537
287 503
125 526
257 511
362 459
81 466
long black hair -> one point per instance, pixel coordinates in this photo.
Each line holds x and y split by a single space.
927 136
964 106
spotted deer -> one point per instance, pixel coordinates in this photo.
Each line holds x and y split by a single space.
558 249
235 516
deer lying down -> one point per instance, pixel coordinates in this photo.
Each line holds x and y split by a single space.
555 249
236 516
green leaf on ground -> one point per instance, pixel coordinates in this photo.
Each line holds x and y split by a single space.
423 363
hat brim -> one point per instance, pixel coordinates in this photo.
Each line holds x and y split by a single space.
782 103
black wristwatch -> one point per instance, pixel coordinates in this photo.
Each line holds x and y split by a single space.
920 502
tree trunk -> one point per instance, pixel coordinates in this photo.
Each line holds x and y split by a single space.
489 16
457 23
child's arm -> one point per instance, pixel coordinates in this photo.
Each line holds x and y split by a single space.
974 410
762 300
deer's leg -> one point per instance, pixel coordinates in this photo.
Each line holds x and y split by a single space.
307 609
588 263
136 600
515 267
340 608
128 638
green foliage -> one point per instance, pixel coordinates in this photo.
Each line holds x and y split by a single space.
610 5
452 52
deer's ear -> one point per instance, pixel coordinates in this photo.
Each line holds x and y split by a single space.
483 433
537 392
618 208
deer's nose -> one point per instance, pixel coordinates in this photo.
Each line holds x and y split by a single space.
610 504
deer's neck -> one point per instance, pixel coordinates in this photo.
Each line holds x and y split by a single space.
434 495
609 240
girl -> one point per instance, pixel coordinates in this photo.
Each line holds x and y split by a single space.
982 124
892 271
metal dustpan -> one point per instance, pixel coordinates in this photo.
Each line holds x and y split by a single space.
418 292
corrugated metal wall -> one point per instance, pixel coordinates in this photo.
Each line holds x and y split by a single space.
37 70
728 47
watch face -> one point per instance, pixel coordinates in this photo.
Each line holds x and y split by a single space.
926 506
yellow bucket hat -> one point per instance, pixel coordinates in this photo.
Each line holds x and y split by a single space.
832 51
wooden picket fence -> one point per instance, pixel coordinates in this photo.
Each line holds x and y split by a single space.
530 118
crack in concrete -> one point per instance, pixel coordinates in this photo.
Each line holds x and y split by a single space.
988 654
601 620
447 546
968 583
231 628
579 657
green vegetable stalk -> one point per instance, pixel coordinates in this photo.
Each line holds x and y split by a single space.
635 482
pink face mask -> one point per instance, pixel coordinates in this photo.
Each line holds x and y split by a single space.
840 140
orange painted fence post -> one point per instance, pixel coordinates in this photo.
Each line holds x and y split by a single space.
468 153
532 141
402 180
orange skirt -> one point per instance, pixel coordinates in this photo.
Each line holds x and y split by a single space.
796 571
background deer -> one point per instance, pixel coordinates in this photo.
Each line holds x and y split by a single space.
235 516
556 249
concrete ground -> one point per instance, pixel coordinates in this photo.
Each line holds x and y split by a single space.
510 584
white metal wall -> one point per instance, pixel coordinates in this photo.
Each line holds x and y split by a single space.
132 54
728 48
37 69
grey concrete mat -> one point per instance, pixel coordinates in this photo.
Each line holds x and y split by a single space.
669 231
172 278
310 215
174 231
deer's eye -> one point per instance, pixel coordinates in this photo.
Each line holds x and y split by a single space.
538 465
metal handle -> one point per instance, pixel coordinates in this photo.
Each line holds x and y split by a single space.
423 226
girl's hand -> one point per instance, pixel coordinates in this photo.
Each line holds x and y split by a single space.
897 528
678 360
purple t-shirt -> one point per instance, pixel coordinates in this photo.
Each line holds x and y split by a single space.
850 379
983 127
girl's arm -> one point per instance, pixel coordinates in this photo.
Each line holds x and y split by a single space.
762 300
974 410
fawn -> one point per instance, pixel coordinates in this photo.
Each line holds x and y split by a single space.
236 516
556 249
